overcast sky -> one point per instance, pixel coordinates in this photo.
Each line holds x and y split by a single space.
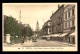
30 12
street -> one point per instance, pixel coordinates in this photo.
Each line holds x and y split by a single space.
42 43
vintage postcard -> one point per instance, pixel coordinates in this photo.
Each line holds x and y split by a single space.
39 27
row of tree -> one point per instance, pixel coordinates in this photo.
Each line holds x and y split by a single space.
12 27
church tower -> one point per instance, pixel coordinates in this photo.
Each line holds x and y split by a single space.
37 28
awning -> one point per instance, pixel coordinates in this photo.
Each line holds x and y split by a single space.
62 35
55 35
47 36
72 34
44 36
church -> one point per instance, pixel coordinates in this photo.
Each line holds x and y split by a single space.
36 32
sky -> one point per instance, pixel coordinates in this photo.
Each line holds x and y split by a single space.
30 12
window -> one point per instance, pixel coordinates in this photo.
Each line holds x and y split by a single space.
72 22
48 23
49 30
72 12
69 14
66 15
69 24
65 26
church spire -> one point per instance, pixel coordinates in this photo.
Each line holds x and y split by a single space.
37 29
37 23
20 16
37 26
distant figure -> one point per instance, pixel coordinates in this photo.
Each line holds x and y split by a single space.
29 39
22 40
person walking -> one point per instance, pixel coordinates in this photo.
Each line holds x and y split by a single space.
22 40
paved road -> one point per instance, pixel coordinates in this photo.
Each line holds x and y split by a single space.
44 43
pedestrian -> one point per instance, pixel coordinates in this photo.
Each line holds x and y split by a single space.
22 40
29 39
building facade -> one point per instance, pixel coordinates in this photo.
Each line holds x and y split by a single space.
57 20
69 18
69 22
46 28
62 22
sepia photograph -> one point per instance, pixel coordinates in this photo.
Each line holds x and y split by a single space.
39 27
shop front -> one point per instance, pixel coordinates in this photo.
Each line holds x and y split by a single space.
55 37
62 37
72 38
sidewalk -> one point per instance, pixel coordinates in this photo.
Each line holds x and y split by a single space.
25 44
28 43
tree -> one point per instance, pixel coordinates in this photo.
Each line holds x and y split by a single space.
12 27
27 31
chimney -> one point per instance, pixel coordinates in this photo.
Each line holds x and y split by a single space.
58 6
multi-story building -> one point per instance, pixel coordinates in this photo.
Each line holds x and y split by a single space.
57 20
46 28
62 23
69 22
69 18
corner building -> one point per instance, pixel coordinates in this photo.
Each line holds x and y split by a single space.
69 22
